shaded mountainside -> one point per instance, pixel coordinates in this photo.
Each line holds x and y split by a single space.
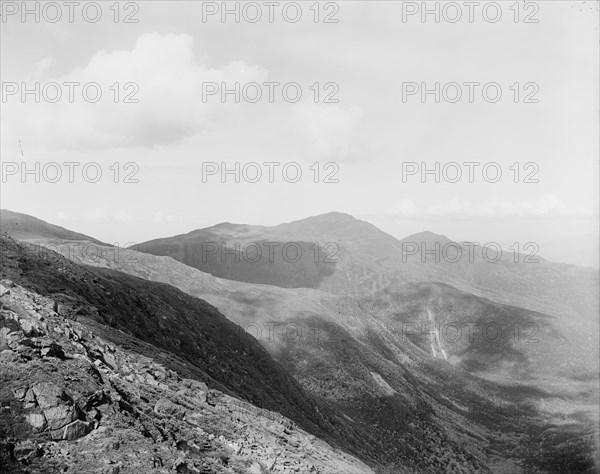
387 389
261 261
161 315
73 402
485 337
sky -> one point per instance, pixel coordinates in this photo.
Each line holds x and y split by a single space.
162 135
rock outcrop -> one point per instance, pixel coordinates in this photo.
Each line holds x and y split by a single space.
73 402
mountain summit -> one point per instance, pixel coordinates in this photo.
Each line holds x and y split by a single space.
427 237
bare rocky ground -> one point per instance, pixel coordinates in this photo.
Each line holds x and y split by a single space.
73 402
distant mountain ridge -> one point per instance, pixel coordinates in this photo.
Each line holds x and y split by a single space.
365 260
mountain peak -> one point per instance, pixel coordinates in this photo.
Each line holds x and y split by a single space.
331 222
225 225
427 237
333 216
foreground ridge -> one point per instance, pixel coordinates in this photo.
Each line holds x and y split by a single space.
72 402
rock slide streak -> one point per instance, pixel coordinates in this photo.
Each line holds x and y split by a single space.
436 346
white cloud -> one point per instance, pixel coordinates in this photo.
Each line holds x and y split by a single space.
161 216
170 105
103 213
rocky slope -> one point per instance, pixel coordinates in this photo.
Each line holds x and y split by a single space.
73 402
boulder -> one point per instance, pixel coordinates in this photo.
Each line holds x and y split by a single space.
30 328
53 350
199 389
166 407
48 395
150 380
37 421
98 398
110 361
9 356
60 416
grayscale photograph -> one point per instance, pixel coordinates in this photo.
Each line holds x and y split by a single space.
299 237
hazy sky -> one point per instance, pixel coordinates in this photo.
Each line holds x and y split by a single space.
174 132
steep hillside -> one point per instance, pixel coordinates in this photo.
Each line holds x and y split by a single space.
25 227
212 347
489 339
74 402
